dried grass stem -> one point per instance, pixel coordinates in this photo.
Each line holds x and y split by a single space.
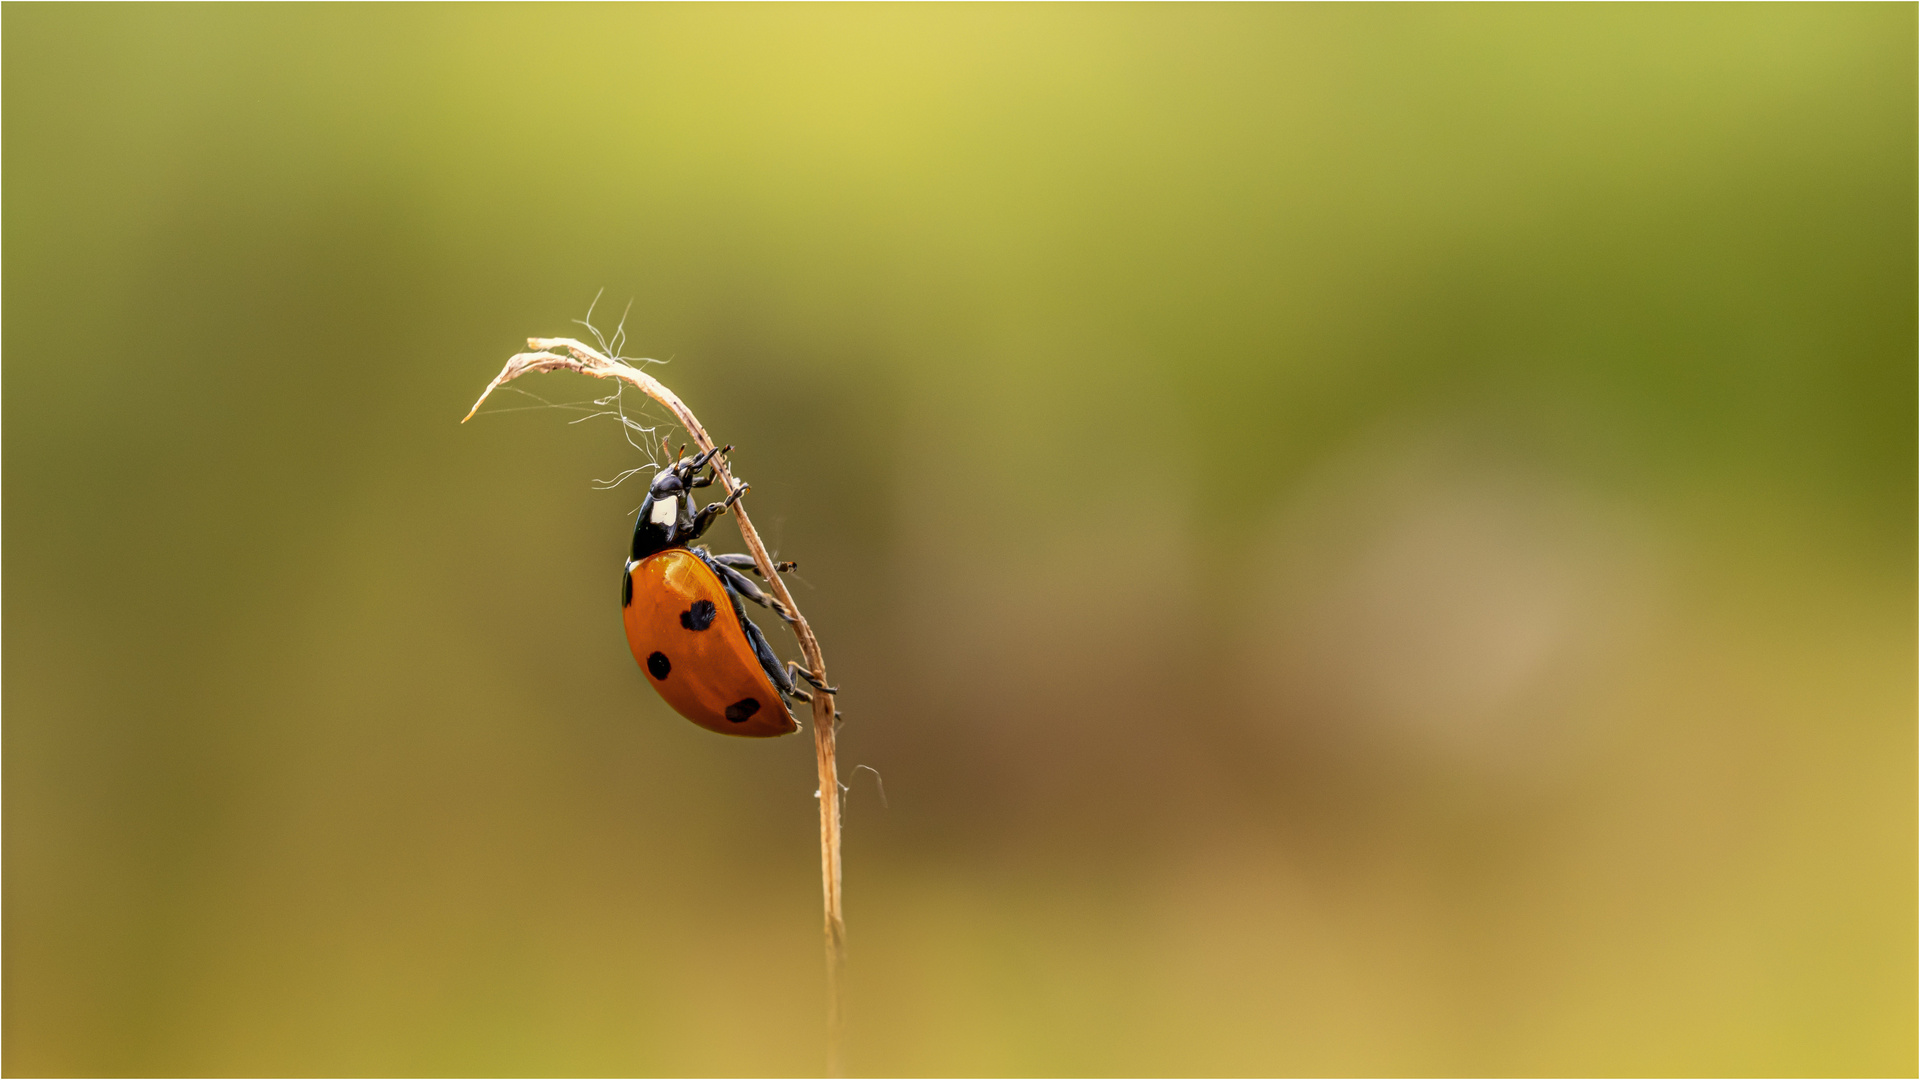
567 354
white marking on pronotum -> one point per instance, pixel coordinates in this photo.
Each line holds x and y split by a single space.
665 511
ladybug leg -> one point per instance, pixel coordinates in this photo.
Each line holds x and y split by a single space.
741 584
745 562
687 469
794 668
737 586
695 464
709 512
771 663
738 583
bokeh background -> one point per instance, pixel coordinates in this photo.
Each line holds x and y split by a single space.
1359 539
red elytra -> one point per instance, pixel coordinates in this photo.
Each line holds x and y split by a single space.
685 633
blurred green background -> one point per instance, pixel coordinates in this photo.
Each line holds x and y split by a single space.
1360 539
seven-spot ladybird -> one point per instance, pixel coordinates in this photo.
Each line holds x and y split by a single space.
684 621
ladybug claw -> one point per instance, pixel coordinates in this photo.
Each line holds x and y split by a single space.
795 670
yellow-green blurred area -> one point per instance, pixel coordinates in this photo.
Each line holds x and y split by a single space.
1359 539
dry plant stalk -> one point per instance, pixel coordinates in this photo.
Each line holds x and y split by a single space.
567 354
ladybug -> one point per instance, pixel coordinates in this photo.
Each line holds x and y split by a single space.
685 623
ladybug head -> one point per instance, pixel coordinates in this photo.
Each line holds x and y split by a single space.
668 481
666 517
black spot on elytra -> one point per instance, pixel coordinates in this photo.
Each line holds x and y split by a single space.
740 710
626 587
699 616
659 665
